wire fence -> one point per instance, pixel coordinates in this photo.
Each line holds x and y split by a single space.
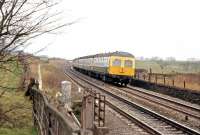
168 80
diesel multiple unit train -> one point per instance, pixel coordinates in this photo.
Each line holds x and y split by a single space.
116 67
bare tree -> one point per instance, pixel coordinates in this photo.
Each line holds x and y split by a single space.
22 20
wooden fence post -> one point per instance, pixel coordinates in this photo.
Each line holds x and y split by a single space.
149 77
173 82
184 84
156 79
150 72
164 79
37 84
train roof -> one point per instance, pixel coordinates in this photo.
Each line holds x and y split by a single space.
117 53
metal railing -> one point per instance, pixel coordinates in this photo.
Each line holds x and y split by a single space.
48 120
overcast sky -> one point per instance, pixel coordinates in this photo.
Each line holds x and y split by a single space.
146 28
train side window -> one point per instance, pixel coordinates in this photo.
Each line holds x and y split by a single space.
116 62
128 63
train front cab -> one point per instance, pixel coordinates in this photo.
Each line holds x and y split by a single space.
121 69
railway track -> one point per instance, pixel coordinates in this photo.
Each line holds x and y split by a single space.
187 109
150 121
190 111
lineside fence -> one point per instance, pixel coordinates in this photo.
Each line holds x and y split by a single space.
47 119
166 80
162 84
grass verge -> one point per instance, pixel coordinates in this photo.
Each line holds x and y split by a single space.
15 109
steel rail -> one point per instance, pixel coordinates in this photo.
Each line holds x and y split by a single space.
189 108
123 113
164 98
133 119
154 114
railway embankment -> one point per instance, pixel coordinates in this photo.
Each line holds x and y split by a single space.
181 93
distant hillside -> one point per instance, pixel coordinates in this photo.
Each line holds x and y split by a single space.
161 66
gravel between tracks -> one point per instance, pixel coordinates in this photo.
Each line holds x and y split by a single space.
118 125
150 119
193 123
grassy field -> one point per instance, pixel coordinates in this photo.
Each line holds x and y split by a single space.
52 73
167 67
15 109
180 71
10 79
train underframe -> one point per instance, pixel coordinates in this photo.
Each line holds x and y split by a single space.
116 79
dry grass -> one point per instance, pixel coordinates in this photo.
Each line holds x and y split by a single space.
192 81
181 70
33 63
52 75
